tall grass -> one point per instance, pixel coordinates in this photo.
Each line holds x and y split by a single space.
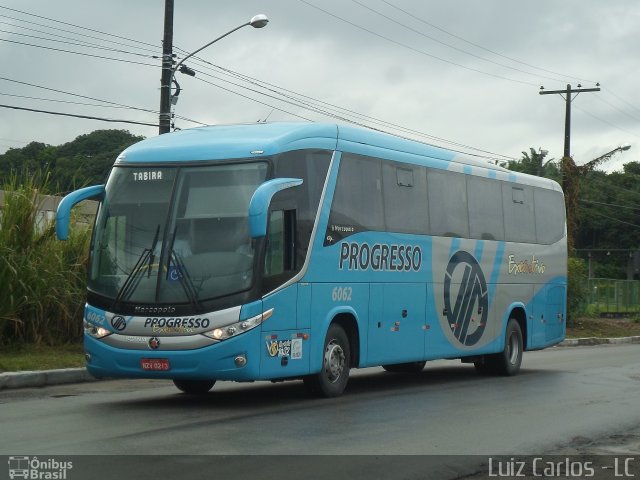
42 280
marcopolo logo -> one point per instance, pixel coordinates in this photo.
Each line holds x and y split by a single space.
38 469
466 301
119 323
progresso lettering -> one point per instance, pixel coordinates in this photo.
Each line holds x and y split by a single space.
380 257
177 322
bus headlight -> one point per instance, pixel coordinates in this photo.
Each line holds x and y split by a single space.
95 331
228 331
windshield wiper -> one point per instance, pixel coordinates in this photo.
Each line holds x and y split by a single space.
145 259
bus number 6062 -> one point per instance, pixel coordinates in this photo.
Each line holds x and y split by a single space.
341 294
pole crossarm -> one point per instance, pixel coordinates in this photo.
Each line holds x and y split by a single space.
577 90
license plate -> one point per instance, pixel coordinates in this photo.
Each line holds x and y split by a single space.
156 364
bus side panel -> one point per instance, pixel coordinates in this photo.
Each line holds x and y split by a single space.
396 323
284 304
467 301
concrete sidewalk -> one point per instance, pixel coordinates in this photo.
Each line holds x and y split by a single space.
44 378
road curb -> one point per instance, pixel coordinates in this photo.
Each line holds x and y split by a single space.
43 378
577 342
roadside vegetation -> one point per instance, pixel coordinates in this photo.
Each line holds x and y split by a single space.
43 279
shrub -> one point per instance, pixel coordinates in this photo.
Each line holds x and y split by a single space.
42 280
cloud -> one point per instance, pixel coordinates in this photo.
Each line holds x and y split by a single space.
405 78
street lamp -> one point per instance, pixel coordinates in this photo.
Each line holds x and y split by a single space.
257 21
603 158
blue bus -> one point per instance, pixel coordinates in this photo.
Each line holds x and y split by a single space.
302 250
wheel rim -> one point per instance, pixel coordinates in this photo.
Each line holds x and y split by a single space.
513 350
334 361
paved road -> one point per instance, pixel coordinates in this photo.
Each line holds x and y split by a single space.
561 394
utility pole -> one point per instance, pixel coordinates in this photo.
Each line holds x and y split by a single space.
570 180
167 65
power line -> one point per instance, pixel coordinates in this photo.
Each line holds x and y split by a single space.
327 113
252 99
607 122
76 34
99 105
108 102
609 217
77 26
610 92
331 106
79 44
617 187
451 46
482 47
79 53
321 111
319 106
79 116
422 52
618 109
608 204
75 94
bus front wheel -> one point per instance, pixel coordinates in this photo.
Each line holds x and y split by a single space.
194 387
509 360
336 362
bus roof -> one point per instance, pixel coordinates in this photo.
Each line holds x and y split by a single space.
222 142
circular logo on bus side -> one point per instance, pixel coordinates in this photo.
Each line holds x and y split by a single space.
466 301
119 323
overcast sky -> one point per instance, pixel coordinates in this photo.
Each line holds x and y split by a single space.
462 71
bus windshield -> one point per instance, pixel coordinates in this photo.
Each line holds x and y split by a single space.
175 235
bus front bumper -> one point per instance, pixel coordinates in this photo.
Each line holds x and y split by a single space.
220 361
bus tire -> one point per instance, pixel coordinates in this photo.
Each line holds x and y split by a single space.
410 367
194 387
507 362
336 362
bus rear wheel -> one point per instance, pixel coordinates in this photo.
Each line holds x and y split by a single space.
508 361
336 362
410 367
194 387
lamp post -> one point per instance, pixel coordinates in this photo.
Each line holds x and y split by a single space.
258 21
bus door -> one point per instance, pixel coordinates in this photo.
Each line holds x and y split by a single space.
548 314
396 322
554 326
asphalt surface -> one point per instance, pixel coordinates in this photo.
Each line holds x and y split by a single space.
579 403
43 378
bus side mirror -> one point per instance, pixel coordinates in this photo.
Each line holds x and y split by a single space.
260 201
63 214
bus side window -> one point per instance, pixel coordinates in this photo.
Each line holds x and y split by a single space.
280 259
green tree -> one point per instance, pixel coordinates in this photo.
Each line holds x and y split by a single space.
83 161
535 163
